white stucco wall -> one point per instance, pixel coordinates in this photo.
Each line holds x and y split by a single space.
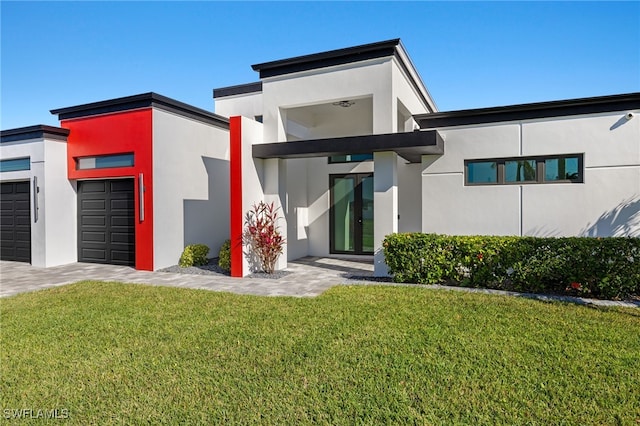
295 208
247 105
54 233
253 179
607 203
190 186
404 91
352 81
60 198
409 196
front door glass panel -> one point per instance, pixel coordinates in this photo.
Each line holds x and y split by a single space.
351 214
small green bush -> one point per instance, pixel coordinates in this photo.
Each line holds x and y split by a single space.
194 255
582 266
224 256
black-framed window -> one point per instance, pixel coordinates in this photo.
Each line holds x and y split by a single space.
104 161
565 168
350 158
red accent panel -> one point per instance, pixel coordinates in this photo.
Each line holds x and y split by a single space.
118 133
236 213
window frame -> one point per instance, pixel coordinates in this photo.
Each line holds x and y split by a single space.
540 169
18 160
330 161
100 167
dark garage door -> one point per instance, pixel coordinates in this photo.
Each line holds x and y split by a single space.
106 222
15 221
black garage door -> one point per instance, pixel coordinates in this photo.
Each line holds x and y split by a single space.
15 225
106 222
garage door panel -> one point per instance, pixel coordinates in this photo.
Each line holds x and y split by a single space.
23 187
94 255
106 222
123 256
122 221
92 186
15 216
23 221
123 205
93 237
7 252
23 235
22 205
97 205
7 222
122 237
93 220
23 252
122 185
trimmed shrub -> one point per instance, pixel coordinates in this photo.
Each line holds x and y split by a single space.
194 255
582 266
224 256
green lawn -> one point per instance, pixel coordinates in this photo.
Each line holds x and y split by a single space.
113 353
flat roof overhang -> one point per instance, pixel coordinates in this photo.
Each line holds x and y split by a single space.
550 109
411 146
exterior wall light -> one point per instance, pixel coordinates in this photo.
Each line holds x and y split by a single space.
343 104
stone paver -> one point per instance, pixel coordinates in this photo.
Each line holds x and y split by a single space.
308 277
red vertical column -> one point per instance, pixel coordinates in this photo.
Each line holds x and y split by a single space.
236 213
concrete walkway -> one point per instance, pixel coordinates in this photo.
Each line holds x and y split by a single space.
308 277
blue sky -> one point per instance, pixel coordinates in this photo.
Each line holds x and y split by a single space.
478 54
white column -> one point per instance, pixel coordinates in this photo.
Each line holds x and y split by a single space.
275 190
385 204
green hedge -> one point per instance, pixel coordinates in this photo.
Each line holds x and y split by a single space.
591 267
224 256
194 255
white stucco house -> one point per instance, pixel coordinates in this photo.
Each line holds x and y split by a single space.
348 143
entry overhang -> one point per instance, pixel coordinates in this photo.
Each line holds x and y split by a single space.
411 146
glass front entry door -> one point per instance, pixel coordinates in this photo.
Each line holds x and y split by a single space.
351 214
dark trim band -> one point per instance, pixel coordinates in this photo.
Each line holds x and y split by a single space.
629 101
410 146
239 89
145 100
327 59
40 131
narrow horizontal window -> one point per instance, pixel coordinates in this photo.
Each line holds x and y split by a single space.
520 171
567 168
104 161
559 169
482 172
350 158
15 164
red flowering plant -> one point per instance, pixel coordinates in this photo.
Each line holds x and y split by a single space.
263 236
577 288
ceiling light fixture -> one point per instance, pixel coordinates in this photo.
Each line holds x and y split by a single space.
344 104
